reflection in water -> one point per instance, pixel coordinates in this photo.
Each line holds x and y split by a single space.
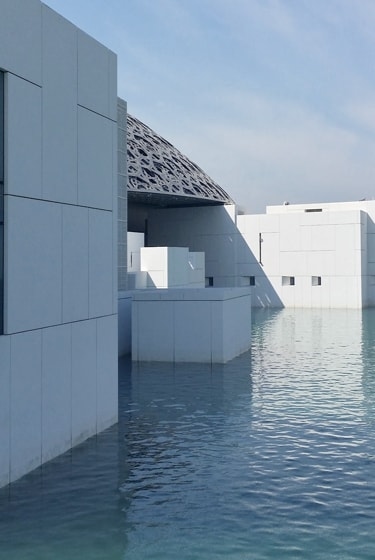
269 456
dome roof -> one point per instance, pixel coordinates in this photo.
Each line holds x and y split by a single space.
159 174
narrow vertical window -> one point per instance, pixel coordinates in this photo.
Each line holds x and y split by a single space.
1 202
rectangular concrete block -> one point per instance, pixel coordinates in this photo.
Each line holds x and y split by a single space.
191 325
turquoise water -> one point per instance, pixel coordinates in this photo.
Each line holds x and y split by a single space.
269 456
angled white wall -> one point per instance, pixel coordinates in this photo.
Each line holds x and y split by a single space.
58 352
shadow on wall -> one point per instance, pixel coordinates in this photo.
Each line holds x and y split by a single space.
229 262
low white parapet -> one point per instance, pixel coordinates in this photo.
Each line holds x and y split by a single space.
191 325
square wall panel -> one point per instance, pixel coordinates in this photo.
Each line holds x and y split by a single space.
33 264
21 38
23 145
95 160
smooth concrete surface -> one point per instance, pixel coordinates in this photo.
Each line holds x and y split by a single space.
191 325
172 267
324 248
58 353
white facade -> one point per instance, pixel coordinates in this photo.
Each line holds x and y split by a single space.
168 267
58 348
316 255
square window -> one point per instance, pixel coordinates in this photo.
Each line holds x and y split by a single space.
209 281
287 280
316 280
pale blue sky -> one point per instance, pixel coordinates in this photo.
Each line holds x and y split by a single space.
274 99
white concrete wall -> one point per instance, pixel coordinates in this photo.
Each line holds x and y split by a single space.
172 267
58 354
213 230
329 244
191 325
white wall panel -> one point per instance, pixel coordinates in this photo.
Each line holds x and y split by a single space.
94 75
112 88
56 391
100 263
95 160
26 403
192 331
33 264
159 336
59 108
4 410
107 377
84 384
75 276
323 238
20 19
23 145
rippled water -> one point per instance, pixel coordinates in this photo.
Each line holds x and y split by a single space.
269 456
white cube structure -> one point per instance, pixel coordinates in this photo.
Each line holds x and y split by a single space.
191 325
58 220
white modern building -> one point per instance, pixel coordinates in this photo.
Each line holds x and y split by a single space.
58 226
76 174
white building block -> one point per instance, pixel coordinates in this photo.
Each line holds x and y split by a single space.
23 138
56 391
25 403
191 325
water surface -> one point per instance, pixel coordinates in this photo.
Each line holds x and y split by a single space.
269 456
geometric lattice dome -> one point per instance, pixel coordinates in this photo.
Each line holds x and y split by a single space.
159 174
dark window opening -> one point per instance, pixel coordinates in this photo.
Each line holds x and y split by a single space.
316 280
287 280
313 210
209 281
